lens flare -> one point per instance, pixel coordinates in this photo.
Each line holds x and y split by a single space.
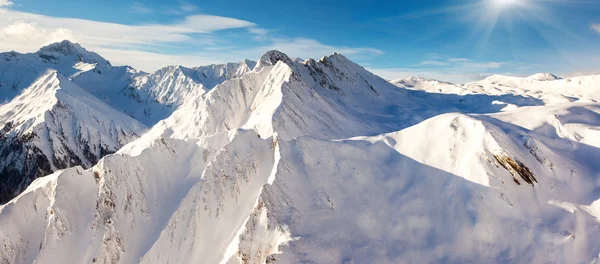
503 3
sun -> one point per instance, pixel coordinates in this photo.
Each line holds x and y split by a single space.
505 3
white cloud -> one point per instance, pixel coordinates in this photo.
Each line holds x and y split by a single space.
5 3
93 33
187 7
183 8
596 27
208 23
435 63
458 60
26 36
142 46
302 48
434 56
150 61
259 33
463 63
481 65
140 8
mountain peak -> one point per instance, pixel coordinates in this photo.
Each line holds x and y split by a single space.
337 55
250 63
48 91
272 57
544 77
67 48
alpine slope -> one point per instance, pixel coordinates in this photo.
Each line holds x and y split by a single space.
286 160
64 106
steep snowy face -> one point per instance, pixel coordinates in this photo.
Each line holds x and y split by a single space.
321 161
173 84
54 125
454 188
133 207
192 183
329 98
218 73
148 98
152 97
68 51
18 71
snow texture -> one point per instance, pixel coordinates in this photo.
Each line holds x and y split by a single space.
320 161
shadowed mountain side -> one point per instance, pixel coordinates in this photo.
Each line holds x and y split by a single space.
396 209
478 103
581 183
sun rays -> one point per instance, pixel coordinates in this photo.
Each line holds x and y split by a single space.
504 3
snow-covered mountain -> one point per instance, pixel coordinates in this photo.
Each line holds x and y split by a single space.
148 97
152 97
28 152
54 124
544 77
320 161
544 86
19 71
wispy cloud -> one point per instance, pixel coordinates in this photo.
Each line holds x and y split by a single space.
97 33
26 36
151 61
183 8
460 63
259 33
433 62
596 27
187 7
144 46
140 8
458 60
6 3
295 47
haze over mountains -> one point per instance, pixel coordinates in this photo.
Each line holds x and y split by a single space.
286 160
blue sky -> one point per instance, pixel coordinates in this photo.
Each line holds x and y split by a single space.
458 40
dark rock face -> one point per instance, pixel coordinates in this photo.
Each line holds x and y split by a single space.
58 143
273 56
23 163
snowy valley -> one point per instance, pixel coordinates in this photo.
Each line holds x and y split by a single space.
285 160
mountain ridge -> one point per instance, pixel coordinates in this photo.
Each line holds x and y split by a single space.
322 161
56 125
148 97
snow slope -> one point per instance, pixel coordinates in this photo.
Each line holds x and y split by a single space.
544 77
53 125
436 192
148 97
543 86
19 71
320 161
152 97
